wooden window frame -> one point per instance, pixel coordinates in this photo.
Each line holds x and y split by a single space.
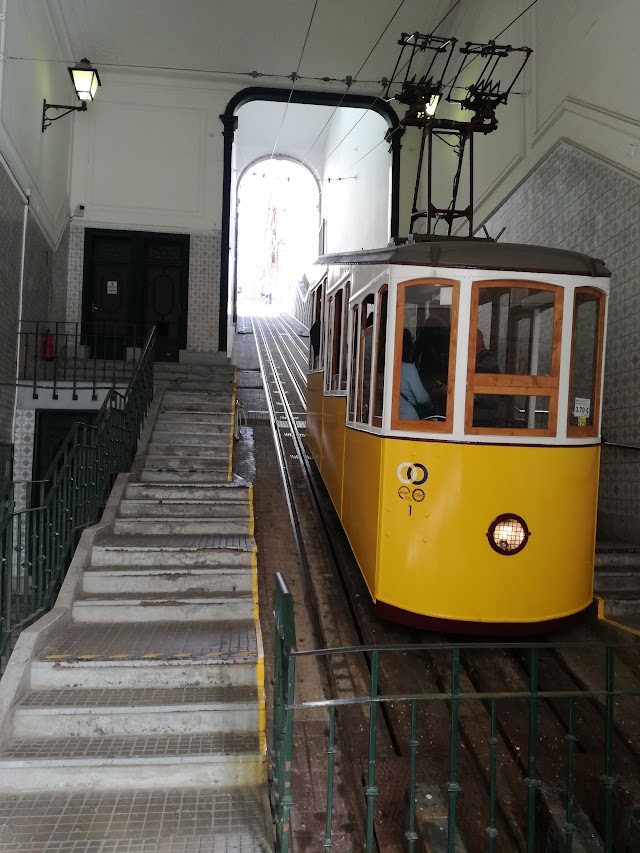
505 384
328 344
376 420
364 331
344 356
592 431
352 378
337 325
425 426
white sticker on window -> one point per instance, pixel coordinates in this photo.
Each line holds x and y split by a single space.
581 407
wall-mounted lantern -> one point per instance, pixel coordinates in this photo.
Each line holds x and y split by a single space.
85 81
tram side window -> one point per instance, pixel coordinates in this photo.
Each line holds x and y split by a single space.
315 332
366 361
516 333
425 351
586 362
355 337
336 344
343 375
381 348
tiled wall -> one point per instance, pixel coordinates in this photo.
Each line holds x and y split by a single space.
204 286
58 300
11 218
38 274
204 292
573 201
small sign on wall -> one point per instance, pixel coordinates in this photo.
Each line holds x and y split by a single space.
112 288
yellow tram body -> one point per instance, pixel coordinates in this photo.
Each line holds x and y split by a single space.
419 500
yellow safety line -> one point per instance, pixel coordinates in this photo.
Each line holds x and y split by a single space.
608 621
262 701
233 420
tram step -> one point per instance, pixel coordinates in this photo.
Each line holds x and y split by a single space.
161 761
153 607
90 713
165 491
160 551
201 451
166 476
166 579
179 526
167 508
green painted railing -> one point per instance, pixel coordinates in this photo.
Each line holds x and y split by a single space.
566 704
40 522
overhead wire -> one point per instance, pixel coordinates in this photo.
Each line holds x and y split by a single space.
342 99
395 130
384 86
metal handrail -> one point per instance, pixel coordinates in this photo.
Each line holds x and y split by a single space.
41 521
492 703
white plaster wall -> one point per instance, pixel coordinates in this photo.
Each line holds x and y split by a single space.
356 208
38 161
580 86
149 154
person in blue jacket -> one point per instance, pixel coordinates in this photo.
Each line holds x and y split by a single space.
415 402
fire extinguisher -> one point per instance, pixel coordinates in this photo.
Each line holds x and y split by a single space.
48 352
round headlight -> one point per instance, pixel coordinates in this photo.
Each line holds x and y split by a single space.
508 534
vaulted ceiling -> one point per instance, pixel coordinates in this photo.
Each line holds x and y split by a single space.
241 36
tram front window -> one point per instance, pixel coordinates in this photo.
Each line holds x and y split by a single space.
426 333
515 337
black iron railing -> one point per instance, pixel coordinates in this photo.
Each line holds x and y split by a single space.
544 767
40 522
73 355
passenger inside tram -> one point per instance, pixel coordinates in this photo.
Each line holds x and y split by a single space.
415 402
427 316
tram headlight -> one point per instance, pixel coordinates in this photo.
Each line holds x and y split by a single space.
508 534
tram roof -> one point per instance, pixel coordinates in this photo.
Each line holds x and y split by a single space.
474 253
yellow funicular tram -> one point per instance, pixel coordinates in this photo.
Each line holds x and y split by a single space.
454 394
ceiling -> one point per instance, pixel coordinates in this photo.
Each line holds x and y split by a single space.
302 136
241 36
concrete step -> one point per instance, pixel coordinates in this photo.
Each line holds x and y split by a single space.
163 475
214 407
219 451
161 761
617 556
139 607
621 604
183 526
174 419
121 551
166 508
172 427
175 438
92 713
156 655
227 494
613 581
187 463
166 579
188 383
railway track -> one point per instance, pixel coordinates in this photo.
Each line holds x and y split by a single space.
488 736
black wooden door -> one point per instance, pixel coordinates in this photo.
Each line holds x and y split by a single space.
132 281
164 270
109 295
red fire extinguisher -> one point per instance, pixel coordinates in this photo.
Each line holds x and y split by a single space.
48 352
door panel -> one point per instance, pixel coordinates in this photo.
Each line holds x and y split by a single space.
132 281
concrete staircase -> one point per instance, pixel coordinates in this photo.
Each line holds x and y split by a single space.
157 682
617 582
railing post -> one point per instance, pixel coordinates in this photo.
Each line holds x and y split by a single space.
608 778
371 791
532 776
492 830
411 835
453 787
